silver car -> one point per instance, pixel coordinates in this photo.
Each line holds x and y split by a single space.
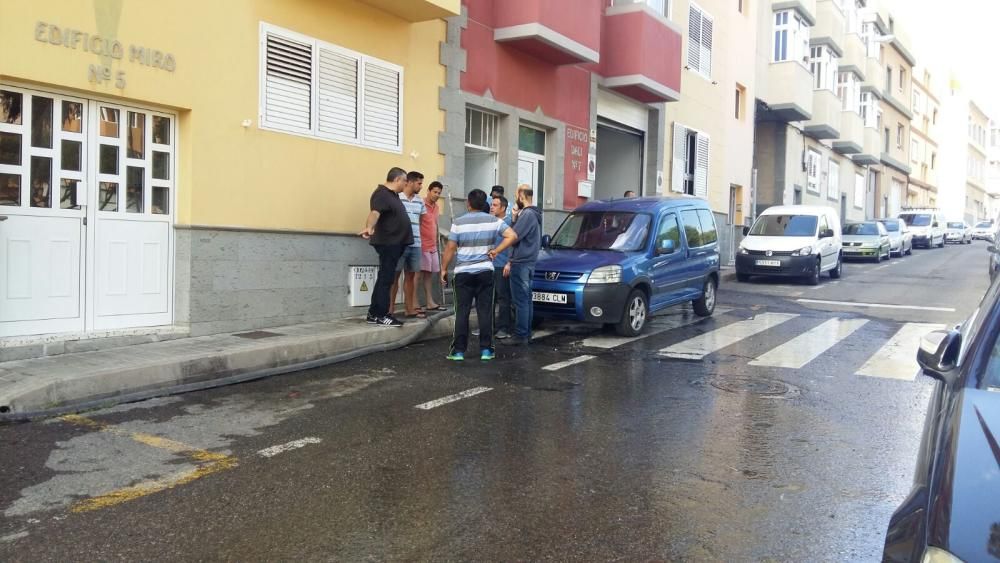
983 230
867 239
900 237
957 232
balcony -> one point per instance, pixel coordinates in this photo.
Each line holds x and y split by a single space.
641 54
855 59
419 10
560 32
790 97
825 122
872 148
874 75
805 8
830 26
852 133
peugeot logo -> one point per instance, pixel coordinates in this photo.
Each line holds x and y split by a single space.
552 276
770 253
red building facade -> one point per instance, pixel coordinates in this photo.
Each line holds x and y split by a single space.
564 95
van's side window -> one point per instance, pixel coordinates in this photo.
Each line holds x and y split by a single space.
669 230
708 229
692 228
823 224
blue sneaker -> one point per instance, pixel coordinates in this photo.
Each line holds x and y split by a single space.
456 356
487 355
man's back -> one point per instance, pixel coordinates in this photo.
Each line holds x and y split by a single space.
475 234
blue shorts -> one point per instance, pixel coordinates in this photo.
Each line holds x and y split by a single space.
410 261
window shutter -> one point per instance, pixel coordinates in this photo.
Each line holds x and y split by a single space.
288 83
381 105
338 94
694 38
706 45
677 162
833 180
701 167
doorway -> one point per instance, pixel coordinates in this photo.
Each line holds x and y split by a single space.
86 202
619 160
531 161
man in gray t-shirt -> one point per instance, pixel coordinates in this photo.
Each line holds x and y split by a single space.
528 227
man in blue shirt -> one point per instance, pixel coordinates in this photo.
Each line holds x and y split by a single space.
501 274
471 241
508 217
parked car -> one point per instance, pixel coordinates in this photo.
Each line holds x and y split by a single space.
617 262
927 227
866 240
900 237
958 232
983 230
953 510
792 241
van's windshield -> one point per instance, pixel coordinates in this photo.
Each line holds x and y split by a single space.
891 226
917 220
785 226
600 230
983 225
954 225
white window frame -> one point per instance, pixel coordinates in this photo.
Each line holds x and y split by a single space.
869 35
813 164
859 191
899 135
313 132
871 111
914 150
849 91
701 31
833 179
823 65
661 7
790 40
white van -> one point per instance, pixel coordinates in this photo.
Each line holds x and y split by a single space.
927 226
799 241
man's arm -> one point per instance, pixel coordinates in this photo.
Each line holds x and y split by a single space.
369 229
509 237
449 253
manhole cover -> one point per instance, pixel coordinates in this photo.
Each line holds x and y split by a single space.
257 334
756 386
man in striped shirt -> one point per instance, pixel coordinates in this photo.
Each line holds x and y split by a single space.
470 243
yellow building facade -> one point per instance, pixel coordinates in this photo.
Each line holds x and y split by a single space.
203 165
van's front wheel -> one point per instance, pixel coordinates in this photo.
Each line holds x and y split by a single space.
634 316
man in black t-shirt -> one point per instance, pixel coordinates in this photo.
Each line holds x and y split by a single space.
388 230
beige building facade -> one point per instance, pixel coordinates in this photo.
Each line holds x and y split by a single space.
924 135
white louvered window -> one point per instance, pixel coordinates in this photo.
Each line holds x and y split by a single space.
322 90
700 34
813 159
833 180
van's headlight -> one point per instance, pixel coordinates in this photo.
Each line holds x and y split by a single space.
743 250
804 251
606 274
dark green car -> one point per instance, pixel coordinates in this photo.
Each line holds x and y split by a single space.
866 240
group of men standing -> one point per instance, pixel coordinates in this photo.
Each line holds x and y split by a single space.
494 249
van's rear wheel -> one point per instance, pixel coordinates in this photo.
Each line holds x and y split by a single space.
705 305
634 316
837 270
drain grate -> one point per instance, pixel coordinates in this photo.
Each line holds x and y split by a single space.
756 386
257 334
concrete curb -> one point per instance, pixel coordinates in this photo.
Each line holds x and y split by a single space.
37 393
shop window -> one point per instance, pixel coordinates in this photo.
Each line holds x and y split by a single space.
322 90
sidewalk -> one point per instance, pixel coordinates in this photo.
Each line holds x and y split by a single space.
84 380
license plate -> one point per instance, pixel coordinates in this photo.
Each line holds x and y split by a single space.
543 297
769 262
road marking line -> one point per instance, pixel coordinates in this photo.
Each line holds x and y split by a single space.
452 398
543 333
822 285
875 305
567 363
660 324
897 359
704 344
808 346
214 463
293 445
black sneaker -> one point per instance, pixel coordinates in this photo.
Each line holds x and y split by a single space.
389 321
371 319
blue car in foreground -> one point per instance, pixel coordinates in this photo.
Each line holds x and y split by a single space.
616 262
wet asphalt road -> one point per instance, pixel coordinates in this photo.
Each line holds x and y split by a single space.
629 454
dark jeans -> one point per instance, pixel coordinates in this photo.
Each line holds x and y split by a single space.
520 293
388 257
476 287
501 288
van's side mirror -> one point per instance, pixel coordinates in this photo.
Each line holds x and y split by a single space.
746 231
938 354
546 241
935 224
667 246
826 233
992 248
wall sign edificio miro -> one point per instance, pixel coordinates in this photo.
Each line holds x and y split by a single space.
104 47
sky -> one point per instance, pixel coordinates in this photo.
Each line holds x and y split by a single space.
959 38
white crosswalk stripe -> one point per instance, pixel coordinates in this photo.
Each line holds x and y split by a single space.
702 345
897 358
658 325
808 346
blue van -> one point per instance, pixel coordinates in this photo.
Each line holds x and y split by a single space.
616 262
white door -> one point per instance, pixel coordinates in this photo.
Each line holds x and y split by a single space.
528 171
130 272
43 171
